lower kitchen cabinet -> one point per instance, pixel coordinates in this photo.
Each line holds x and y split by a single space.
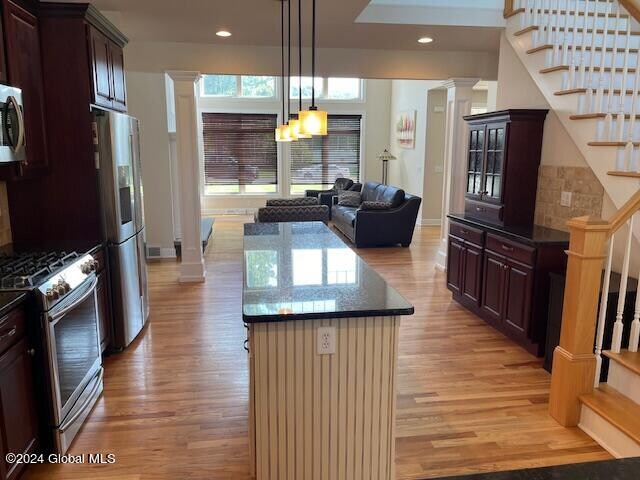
18 411
502 275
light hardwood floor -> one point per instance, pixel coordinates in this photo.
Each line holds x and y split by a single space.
175 403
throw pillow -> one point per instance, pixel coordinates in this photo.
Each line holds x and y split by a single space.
347 198
375 206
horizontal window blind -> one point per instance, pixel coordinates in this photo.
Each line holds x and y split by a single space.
240 149
320 160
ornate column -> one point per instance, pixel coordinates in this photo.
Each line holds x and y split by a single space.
459 101
192 269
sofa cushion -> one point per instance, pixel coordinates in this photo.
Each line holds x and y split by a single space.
346 215
370 205
377 192
349 198
292 202
342 184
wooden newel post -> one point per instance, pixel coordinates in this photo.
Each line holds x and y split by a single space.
574 361
508 7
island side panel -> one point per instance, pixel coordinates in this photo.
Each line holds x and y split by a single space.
339 408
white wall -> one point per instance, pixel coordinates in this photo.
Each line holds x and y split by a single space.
434 162
146 101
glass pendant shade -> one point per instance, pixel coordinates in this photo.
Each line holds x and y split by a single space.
283 134
313 122
295 126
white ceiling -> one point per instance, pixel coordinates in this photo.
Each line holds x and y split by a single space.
257 22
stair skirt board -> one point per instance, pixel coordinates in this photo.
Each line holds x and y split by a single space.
606 435
624 381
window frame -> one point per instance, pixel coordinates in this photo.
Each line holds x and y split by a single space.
237 96
242 190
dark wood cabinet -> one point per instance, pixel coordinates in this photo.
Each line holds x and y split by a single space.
107 64
502 165
502 275
24 70
18 411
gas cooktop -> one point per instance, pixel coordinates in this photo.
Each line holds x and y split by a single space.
30 270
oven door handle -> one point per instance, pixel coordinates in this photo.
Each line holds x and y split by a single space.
90 290
71 420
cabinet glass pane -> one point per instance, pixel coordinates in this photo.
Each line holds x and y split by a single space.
492 139
480 139
470 180
473 144
497 183
500 140
490 161
498 163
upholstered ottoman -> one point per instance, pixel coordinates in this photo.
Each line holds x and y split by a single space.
292 210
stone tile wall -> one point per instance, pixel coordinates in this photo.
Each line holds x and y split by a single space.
587 195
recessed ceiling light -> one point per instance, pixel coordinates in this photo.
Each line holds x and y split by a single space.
223 33
425 40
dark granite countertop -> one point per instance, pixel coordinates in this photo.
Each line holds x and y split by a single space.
534 235
626 469
10 300
304 271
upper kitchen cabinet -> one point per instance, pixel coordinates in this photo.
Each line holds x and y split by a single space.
24 70
101 43
502 165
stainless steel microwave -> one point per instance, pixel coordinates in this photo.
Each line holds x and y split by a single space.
12 133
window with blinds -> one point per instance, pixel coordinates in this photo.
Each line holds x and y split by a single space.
240 152
320 160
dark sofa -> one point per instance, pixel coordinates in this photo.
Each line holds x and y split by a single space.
325 197
372 228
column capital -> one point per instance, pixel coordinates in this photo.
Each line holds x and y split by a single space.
184 76
460 82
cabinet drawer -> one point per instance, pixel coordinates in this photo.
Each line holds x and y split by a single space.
484 211
470 234
511 249
12 328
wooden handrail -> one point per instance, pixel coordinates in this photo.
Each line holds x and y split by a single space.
625 213
632 6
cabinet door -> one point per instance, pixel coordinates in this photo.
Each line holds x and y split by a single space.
101 65
518 297
104 310
18 415
118 77
25 72
455 265
475 162
472 274
492 175
493 287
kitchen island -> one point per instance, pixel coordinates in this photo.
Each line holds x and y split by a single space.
322 338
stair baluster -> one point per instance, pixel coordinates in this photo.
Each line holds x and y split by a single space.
625 74
629 147
601 85
585 44
602 316
609 108
618 327
565 36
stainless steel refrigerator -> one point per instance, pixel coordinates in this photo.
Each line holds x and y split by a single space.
118 159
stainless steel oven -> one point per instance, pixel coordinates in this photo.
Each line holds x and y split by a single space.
12 132
74 355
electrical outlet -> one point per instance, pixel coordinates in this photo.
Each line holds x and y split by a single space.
326 340
565 199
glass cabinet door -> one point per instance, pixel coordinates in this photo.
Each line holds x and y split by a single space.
474 163
493 171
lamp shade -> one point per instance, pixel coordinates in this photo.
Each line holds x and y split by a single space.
283 134
294 125
313 122
386 156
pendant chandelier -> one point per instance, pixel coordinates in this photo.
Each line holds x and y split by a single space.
295 122
313 121
284 132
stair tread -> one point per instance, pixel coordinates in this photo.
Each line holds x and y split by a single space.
532 28
557 68
563 11
548 46
631 360
616 409
572 91
588 116
611 144
618 173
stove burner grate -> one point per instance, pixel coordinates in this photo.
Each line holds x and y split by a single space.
27 270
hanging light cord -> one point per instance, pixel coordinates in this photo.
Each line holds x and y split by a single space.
300 54
282 52
289 62
313 55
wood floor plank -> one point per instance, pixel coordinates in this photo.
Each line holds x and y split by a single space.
175 404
